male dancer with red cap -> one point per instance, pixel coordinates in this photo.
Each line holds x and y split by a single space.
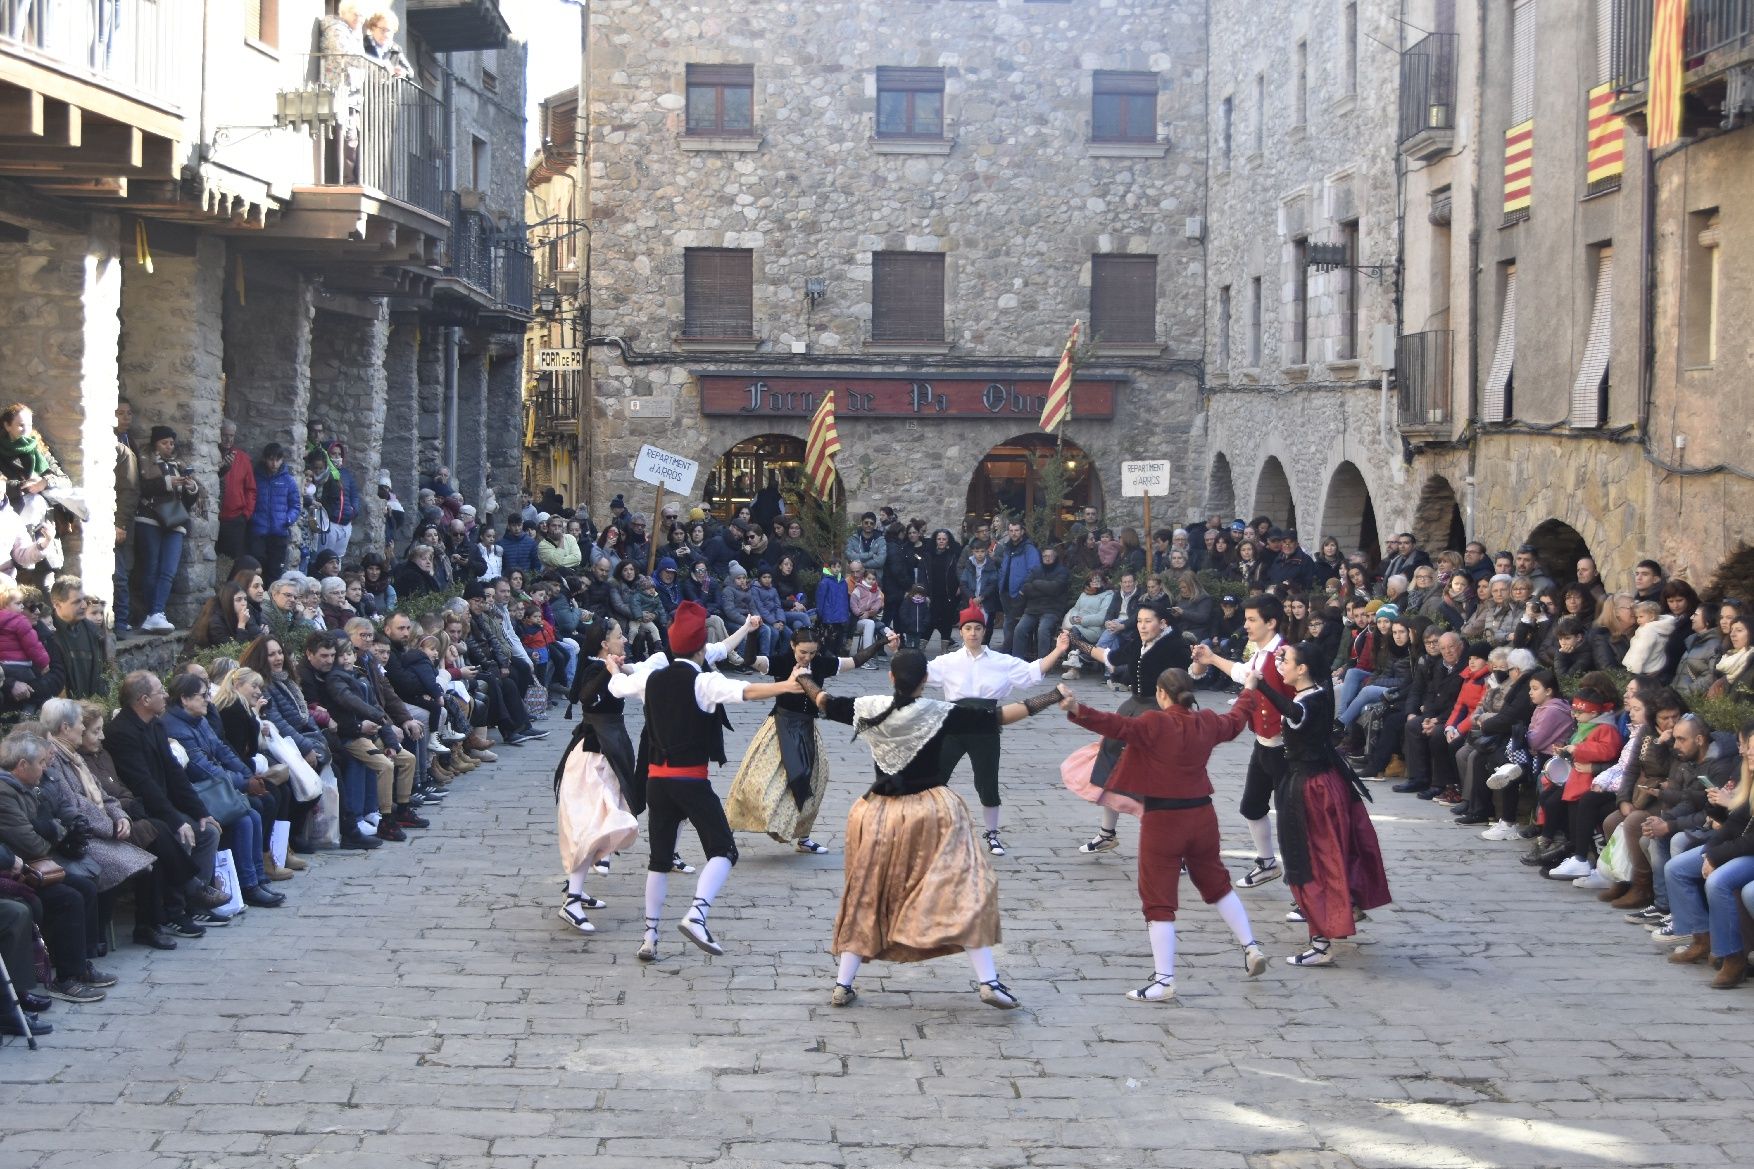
684 734
975 676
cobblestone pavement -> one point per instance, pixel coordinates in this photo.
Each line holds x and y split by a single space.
421 1005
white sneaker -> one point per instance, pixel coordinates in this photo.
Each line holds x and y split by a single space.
1594 879
157 623
1503 830
1569 869
573 913
1504 776
1072 675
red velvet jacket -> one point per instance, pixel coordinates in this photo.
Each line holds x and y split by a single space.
1167 750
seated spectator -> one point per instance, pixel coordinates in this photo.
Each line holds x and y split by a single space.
1570 810
1648 651
225 618
865 601
1699 654
1495 621
328 680
1087 617
1504 713
374 576
1192 612
1526 755
1735 669
84 653
504 677
22 655
1689 803
1611 636
336 611
29 831
211 761
415 576
773 611
238 699
1641 778
1705 884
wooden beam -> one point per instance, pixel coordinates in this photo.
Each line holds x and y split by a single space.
102 144
60 125
92 96
84 188
21 112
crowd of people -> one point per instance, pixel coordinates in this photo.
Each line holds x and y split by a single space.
343 686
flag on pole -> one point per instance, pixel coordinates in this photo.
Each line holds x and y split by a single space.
1663 113
1059 404
823 445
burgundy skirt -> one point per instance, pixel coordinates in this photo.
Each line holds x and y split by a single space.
1344 858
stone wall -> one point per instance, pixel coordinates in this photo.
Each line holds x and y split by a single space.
430 403
400 456
504 433
172 369
1017 198
469 473
349 391
61 307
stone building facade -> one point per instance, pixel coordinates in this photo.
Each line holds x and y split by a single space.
205 260
1017 147
1301 140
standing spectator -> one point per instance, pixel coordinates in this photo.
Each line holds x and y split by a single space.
865 601
1044 600
1018 557
866 545
277 510
338 495
237 494
127 504
167 493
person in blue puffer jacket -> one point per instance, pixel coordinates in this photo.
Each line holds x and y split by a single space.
278 507
834 610
185 721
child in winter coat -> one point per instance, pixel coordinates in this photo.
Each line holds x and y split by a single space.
1649 653
914 619
646 627
1567 807
833 607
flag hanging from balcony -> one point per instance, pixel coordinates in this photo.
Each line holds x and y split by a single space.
1519 167
1607 137
823 445
1668 24
1058 407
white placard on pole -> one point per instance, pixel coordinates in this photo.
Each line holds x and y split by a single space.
661 468
1150 477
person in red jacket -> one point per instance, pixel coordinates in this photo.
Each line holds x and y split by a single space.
1460 719
1164 766
237 494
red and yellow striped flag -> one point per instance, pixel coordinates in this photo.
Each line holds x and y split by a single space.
1668 25
823 445
1519 166
1058 407
1607 136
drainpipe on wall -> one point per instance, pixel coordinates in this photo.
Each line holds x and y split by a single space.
449 422
1474 273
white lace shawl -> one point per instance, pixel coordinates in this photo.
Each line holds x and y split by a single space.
899 738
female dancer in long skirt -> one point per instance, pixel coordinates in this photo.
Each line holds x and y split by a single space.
779 785
595 796
1164 765
1332 861
918 885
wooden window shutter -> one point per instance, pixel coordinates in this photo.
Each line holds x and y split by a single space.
1522 62
1113 81
1123 299
917 80
907 296
1588 399
718 295
1498 379
721 75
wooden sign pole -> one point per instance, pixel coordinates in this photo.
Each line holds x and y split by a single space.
652 530
1147 540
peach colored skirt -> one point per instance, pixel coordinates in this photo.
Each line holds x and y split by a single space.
593 817
918 884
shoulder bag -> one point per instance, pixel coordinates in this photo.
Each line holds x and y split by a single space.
223 802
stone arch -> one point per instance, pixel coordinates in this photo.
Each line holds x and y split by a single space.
1558 546
743 468
1735 576
1008 480
1348 514
1273 496
1437 518
1220 489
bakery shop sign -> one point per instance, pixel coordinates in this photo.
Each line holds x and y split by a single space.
750 395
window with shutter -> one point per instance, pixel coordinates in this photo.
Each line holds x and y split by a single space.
1522 62
262 22
1604 14
721 99
718 294
1495 400
1123 299
1123 107
907 296
1297 344
1222 356
910 103
1588 392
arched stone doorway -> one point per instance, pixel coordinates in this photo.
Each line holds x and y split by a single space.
1437 520
1558 547
1220 490
1273 495
1010 479
742 471
1348 514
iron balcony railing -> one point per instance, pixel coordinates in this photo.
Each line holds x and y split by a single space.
132 45
496 263
471 255
1423 375
1712 25
514 273
387 133
1428 86
556 400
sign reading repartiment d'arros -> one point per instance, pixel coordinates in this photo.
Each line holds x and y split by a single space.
898 397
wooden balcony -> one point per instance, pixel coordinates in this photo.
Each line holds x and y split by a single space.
458 26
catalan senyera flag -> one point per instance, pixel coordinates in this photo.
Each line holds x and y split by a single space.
1519 166
1058 407
823 445
1668 26
1607 137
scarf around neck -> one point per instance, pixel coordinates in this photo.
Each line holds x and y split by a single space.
898 739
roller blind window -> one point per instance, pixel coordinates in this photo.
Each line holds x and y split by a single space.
1495 404
718 294
1588 393
907 296
1123 299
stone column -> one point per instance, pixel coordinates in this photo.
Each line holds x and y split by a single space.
402 412
430 372
172 370
62 305
472 419
505 428
349 391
